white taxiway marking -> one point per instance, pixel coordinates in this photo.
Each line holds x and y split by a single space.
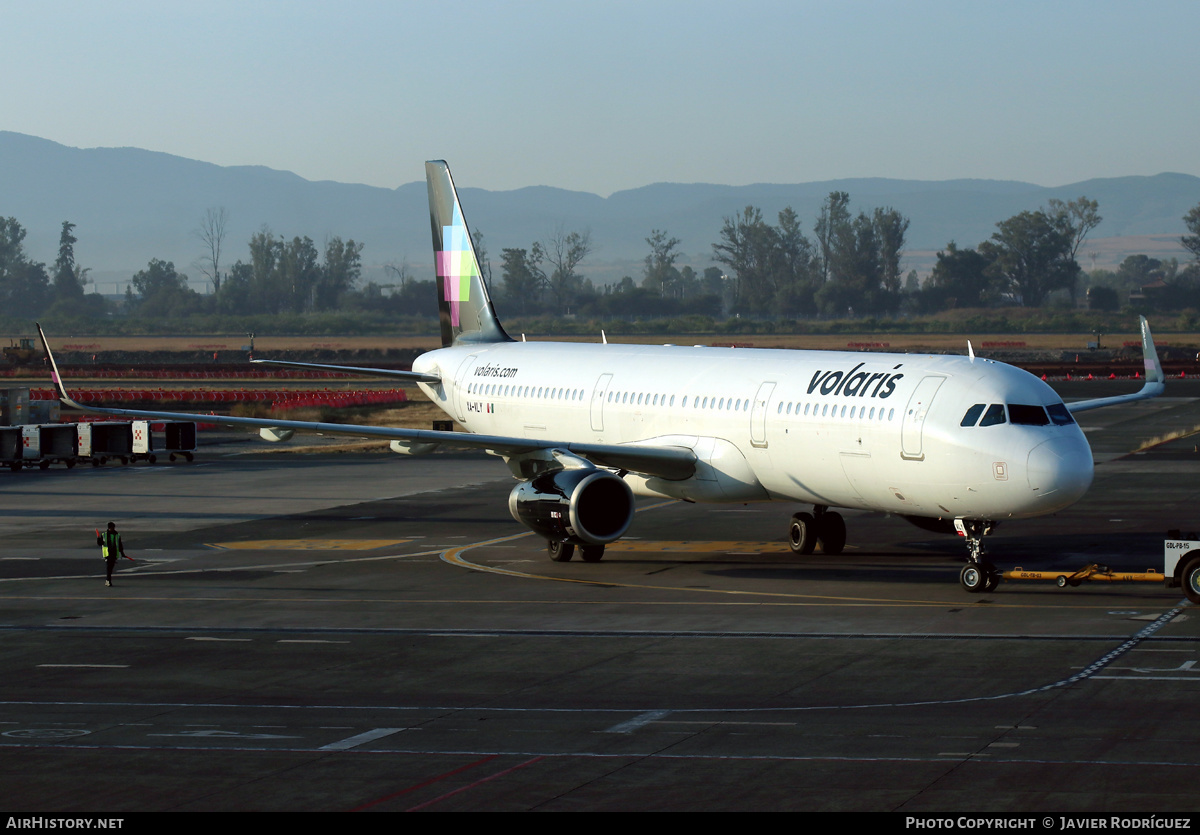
1185 667
204 638
359 739
637 722
305 641
100 666
227 735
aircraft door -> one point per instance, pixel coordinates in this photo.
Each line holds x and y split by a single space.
758 416
461 382
911 430
598 395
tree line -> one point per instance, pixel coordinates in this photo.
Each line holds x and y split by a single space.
849 267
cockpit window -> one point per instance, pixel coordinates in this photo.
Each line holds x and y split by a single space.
993 415
1060 415
972 416
1027 415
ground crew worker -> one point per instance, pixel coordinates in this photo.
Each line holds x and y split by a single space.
110 548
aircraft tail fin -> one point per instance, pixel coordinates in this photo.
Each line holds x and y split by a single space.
464 307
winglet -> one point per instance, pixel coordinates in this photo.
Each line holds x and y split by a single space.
54 375
1153 386
1154 372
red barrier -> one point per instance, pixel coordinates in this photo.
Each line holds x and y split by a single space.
279 400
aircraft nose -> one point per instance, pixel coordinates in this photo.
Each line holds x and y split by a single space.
1060 470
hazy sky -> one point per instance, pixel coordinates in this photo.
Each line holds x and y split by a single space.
610 95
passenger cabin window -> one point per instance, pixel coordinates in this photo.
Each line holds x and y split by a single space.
993 415
972 416
1027 415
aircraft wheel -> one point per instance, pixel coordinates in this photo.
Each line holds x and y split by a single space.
95 462
973 578
560 551
44 465
171 458
833 533
153 459
592 553
802 533
993 580
188 456
71 464
1190 577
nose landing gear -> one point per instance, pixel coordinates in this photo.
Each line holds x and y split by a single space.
978 575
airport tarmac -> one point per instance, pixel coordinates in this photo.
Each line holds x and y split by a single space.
368 632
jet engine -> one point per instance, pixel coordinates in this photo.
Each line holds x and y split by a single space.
581 506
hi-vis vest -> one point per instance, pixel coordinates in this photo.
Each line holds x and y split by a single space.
111 546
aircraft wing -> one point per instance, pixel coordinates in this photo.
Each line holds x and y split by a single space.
669 462
1153 386
407 376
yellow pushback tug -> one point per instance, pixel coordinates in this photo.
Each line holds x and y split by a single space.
1181 567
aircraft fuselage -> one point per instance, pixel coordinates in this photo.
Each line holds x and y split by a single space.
884 432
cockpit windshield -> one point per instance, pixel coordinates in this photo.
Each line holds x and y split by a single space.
1019 413
1027 415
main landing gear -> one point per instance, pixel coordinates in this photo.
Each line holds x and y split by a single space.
563 551
978 575
822 525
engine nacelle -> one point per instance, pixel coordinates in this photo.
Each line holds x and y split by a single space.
412 447
581 506
276 435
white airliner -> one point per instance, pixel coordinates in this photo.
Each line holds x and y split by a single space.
948 442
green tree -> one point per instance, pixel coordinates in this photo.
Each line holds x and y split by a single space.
1138 270
960 278
523 278
285 275
339 273
162 292
891 229
773 266
300 273
860 258
793 267
234 296
1192 242
24 284
1031 253
834 233
68 278
1080 216
660 275
742 247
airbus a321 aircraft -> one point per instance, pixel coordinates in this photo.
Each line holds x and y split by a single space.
948 442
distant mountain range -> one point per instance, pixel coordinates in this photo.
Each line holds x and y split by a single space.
131 205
